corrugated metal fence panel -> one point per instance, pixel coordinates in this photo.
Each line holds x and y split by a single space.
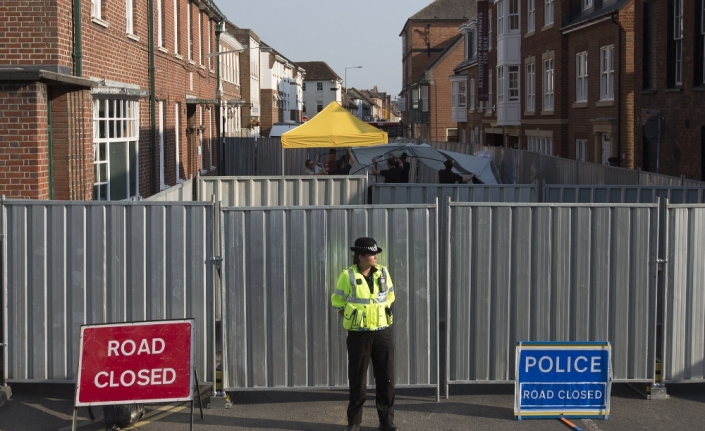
428 193
240 156
653 179
522 272
285 191
74 263
179 193
693 183
280 266
684 322
622 194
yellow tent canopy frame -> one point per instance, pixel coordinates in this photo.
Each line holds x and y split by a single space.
333 127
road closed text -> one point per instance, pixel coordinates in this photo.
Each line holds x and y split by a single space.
562 394
142 377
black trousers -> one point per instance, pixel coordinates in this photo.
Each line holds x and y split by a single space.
378 346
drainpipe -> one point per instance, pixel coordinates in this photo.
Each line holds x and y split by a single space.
619 89
219 28
77 39
152 98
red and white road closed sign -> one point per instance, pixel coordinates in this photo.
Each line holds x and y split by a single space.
136 363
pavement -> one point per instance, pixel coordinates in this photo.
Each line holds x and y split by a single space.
49 407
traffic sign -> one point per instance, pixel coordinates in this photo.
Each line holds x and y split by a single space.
141 362
563 379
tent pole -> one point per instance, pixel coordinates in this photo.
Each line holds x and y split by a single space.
282 161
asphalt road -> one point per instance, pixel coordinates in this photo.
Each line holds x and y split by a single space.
490 407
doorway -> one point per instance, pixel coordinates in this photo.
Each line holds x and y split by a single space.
606 150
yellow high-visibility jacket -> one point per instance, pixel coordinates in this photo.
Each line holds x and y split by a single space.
364 311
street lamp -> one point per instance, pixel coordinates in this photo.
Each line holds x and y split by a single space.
345 83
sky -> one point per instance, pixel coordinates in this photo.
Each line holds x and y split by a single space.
341 33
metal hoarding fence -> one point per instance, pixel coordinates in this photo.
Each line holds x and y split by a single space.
284 191
74 263
182 192
683 356
549 272
280 266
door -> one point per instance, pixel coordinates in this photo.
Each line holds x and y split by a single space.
606 149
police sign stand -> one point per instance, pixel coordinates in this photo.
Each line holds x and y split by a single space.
563 380
137 362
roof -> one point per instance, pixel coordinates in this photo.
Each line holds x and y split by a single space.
17 73
318 71
575 18
445 10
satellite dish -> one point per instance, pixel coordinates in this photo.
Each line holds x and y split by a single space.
653 128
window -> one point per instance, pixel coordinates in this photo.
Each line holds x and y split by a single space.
540 145
424 98
160 23
500 25
200 38
177 26
472 94
470 46
606 73
548 84
581 81
97 9
587 4
513 91
548 12
177 133
415 98
202 150
530 15
462 95
531 87
208 38
129 16
189 30
677 42
513 16
162 148
115 149
500 84
581 150
319 107
649 51
319 86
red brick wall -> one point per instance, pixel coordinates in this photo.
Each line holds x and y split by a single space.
682 108
41 34
23 163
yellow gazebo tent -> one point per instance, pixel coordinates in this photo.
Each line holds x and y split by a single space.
333 127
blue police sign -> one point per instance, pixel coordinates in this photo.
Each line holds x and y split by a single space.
563 379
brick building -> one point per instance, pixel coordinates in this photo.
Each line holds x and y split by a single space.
427 36
669 74
83 116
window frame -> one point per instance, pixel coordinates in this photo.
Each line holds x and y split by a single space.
471 96
500 84
189 29
581 77
500 7
677 39
123 123
319 86
513 19
548 84
530 16
97 9
581 150
130 17
607 73
587 4
531 86
177 27
513 91
548 13
423 98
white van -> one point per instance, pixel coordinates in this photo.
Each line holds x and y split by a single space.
279 128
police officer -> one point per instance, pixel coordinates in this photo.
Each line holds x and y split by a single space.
363 296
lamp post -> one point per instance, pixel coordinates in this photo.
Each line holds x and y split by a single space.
345 83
